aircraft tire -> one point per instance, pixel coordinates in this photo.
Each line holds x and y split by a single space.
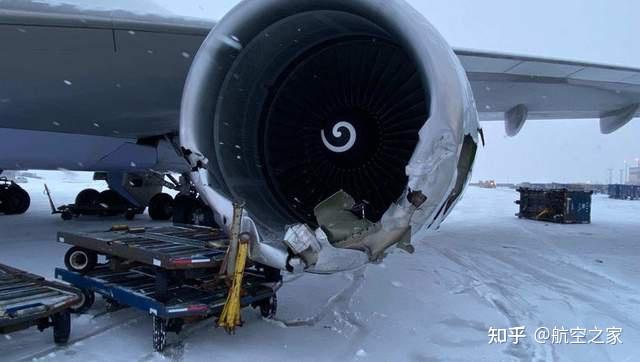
17 200
161 207
87 198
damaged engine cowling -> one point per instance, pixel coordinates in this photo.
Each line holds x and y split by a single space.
288 102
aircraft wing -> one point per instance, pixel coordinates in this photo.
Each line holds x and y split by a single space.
121 75
100 73
515 88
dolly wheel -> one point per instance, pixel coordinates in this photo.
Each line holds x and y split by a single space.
80 260
269 307
159 334
61 323
87 298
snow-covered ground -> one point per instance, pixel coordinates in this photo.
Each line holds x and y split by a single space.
485 268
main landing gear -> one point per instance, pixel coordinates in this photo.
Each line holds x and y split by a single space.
161 207
191 210
14 199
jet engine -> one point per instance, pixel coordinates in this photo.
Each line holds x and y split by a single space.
288 102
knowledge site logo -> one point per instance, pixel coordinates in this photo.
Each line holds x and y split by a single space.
557 335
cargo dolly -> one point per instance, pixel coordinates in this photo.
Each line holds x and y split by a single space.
624 192
170 272
561 206
27 300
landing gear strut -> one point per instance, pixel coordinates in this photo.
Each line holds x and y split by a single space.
14 199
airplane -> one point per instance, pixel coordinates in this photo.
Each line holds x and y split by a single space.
345 128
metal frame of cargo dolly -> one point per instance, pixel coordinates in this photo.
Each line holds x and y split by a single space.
136 288
170 272
28 300
171 248
178 301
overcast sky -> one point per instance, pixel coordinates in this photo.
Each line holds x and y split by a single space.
603 31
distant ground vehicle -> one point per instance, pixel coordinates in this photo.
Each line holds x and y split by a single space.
93 202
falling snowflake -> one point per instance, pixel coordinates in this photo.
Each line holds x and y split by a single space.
232 41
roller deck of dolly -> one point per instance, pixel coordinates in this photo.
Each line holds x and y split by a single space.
169 247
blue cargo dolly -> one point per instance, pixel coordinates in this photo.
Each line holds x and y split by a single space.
624 192
185 299
560 206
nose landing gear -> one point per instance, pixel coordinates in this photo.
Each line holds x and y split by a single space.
14 199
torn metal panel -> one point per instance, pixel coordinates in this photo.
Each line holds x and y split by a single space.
438 167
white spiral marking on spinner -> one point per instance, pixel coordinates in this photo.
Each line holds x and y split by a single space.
337 133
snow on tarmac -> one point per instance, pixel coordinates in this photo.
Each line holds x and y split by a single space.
485 268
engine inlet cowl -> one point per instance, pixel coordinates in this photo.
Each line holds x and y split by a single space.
290 102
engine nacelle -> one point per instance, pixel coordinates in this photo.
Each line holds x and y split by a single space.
288 102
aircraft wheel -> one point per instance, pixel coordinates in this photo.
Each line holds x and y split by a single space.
191 211
110 199
161 207
130 214
80 260
203 215
183 208
16 200
87 198
3 198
